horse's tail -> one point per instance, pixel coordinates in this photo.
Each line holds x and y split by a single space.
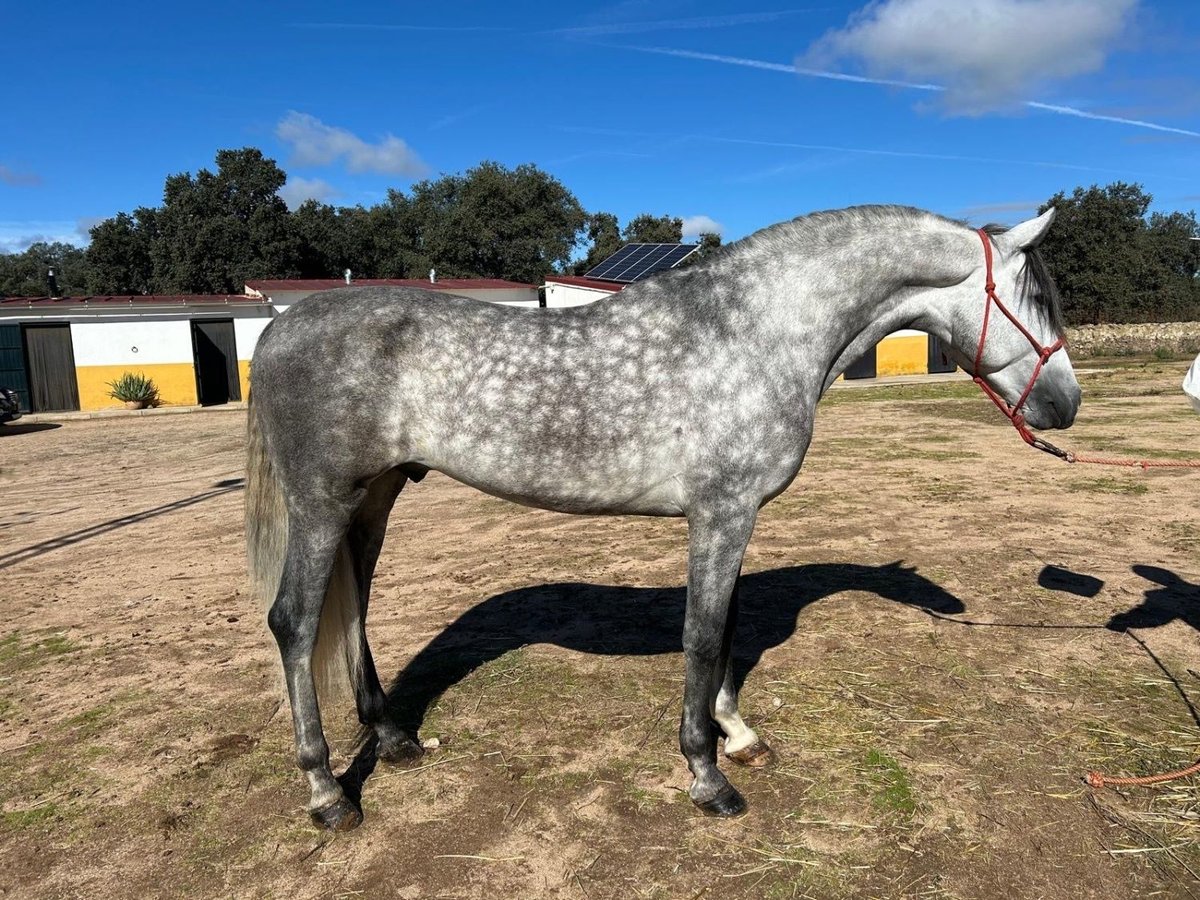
337 657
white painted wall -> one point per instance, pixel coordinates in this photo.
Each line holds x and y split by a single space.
131 342
560 295
246 333
527 297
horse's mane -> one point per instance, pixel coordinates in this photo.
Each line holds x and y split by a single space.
1034 279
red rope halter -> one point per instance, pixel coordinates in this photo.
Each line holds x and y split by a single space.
1013 413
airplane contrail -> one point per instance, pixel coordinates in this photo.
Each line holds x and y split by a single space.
890 82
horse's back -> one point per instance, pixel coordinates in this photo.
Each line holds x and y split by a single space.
547 407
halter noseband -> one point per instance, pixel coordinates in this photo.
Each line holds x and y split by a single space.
1012 413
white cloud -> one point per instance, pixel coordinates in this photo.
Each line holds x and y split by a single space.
13 178
316 144
988 52
298 189
19 243
16 236
694 226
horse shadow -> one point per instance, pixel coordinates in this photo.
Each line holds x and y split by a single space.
638 621
1174 598
27 428
625 621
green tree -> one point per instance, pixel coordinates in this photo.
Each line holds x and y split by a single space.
648 229
1112 265
490 221
120 257
604 234
333 239
709 242
392 236
215 231
25 274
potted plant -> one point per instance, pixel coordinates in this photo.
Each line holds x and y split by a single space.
136 391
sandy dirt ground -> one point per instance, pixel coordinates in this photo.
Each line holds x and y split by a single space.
941 632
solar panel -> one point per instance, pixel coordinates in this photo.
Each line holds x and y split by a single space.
633 262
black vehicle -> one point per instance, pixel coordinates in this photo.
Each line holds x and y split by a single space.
10 406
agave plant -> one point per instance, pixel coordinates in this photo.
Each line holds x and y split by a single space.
134 388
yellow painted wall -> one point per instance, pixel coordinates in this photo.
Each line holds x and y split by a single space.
907 355
244 377
176 383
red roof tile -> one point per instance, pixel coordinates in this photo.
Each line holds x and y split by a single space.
442 284
131 300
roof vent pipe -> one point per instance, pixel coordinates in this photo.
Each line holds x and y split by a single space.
346 275
433 276
52 282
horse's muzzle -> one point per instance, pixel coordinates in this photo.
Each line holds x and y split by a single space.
1052 404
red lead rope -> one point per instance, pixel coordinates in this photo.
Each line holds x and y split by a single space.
1094 779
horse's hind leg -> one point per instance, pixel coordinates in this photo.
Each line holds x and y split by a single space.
742 745
366 536
313 544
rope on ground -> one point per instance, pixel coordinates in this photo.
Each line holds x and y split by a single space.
1134 463
1097 780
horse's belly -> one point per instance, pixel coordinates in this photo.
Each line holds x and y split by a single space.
599 490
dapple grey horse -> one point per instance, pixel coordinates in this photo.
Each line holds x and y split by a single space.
691 393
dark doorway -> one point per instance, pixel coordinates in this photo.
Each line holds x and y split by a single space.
939 359
864 367
51 359
216 361
12 364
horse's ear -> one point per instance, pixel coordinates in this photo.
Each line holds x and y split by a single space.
1026 235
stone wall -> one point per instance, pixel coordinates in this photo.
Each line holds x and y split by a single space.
1175 338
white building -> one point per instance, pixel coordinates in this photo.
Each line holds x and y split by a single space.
576 290
61 353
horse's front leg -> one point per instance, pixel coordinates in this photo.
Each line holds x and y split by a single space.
717 540
742 745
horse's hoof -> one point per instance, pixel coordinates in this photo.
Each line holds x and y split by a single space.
401 752
726 805
756 755
341 815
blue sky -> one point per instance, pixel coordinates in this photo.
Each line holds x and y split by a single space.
743 114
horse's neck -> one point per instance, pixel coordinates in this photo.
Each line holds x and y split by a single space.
849 291
804 300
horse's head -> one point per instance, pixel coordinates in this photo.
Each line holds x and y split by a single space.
1008 333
